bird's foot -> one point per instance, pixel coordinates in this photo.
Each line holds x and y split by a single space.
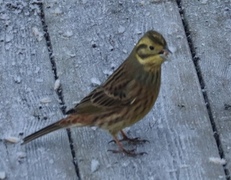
122 149
128 152
136 140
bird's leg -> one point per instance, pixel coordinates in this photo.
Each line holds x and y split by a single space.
123 150
132 140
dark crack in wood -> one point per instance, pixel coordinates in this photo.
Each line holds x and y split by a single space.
203 87
59 90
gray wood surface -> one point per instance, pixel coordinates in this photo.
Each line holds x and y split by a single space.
90 39
210 30
27 82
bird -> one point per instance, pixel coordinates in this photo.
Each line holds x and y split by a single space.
124 98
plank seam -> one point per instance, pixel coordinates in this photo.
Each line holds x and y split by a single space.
196 59
59 90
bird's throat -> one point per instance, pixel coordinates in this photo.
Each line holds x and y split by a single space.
150 77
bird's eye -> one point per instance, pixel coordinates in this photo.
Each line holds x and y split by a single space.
151 47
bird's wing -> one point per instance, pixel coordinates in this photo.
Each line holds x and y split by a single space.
100 100
113 94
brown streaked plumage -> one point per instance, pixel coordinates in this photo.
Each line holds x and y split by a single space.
126 96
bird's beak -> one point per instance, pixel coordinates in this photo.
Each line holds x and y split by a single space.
164 53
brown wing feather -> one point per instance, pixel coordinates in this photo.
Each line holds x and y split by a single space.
114 93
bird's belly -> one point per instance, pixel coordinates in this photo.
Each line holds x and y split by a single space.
141 109
132 113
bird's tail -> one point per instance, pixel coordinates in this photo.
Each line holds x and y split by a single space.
63 123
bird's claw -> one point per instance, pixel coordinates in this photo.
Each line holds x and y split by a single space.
128 152
135 140
131 140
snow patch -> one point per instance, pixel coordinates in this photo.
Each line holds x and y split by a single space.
68 34
45 100
57 84
107 72
94 165
173 49
38 35
95 82
2 174
12 139
217 160
57 11
121 29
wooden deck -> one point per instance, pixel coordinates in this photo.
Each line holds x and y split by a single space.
79 43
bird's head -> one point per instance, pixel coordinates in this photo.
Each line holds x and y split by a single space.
152 49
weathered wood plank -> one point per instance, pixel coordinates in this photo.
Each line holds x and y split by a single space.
90 38
210 29
28 100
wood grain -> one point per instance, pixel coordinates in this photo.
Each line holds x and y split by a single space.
210 32
28 100
91 38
